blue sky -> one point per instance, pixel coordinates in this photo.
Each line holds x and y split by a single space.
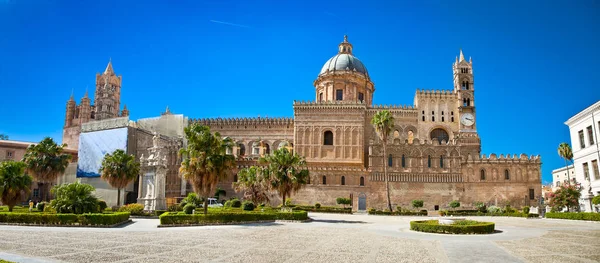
536 63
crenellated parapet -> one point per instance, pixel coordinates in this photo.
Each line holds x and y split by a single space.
281 122
494 158
444 94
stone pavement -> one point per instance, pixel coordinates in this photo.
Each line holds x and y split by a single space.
329 238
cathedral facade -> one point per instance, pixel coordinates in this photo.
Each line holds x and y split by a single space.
433 153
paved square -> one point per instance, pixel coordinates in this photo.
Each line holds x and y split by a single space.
329 238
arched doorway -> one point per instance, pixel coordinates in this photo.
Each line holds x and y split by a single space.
362 202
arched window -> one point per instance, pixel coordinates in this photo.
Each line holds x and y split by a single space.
403 161
482 174
390 160
439 135
441 161
468 102
324 179
242 149
428 161
343 180
328 138
235 178
267 149
506 175
362 181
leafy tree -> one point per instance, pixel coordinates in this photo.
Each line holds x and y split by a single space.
565 152
119 169
14 183
383 121
3 137
253 183
565 196
417 203
46 161
343 201
454 204
286 171
76 198
205 161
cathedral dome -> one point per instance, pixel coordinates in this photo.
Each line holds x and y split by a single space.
344 61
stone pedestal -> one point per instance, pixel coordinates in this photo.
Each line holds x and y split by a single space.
152 178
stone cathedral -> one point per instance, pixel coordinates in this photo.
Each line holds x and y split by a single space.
433 152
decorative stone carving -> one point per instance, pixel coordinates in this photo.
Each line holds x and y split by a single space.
153 176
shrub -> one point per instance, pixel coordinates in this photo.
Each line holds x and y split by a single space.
64 219
76 198
248 206
468 227
40 206
317 205
508 209
288 202
173 208
133 209
454 204
417 203
404 212
235 203
343 201
192 198
596 200
372 211
159 212
494 210
229 217
575 216
481 207
324 209
398 209
526 210
189 209
102 206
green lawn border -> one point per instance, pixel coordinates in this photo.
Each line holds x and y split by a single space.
427 226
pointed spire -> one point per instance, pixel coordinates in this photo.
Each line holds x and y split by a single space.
470 60
345 47
461 56
72 97
86 92
124 106
345 38
109 69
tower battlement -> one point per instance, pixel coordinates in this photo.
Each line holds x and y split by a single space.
449 94
493 158
257 121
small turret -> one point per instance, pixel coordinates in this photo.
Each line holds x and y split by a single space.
125 111
70 111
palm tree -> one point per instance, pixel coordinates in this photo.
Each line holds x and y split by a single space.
565 152
14 183
3 137
286 171
254 185
46 161
119 169
383 121
206 161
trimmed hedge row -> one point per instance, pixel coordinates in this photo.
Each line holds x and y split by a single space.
433 226
228 217
575 216
472 213
396 213
64 219
324 209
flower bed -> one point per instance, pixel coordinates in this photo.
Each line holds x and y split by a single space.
64 219
459 227
226 217
324 209
575 216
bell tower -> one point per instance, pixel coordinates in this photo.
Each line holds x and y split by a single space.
464 87
107 98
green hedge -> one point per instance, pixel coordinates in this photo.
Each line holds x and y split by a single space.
228 217
397 213
64 219
575 216
433 226
473 213
324 209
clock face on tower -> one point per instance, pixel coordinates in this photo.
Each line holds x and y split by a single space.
467 119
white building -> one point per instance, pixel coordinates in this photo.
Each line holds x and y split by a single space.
584 130
560 176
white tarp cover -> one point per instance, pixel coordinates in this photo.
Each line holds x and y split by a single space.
94 145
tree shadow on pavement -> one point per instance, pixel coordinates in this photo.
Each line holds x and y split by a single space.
338 221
